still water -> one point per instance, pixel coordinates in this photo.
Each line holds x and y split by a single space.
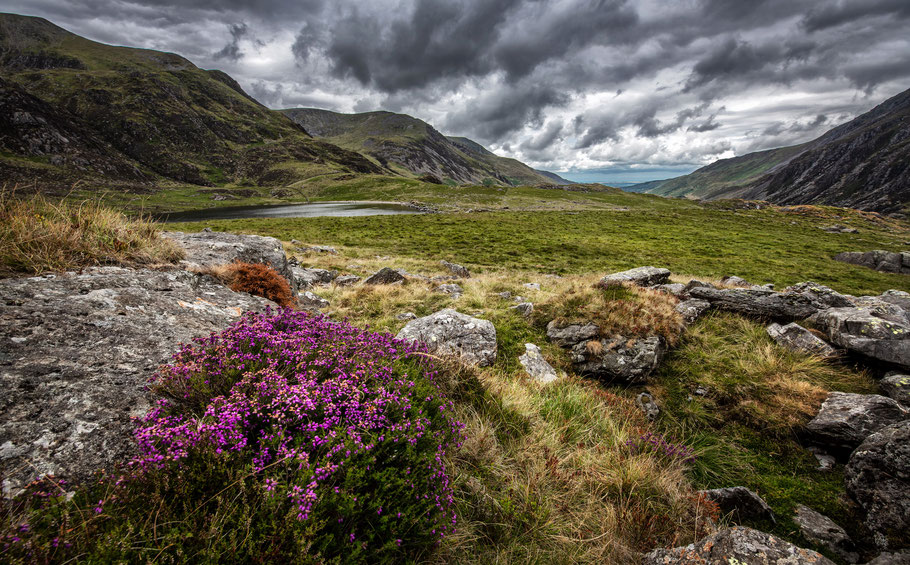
290 211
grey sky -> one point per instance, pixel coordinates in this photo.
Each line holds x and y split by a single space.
637 89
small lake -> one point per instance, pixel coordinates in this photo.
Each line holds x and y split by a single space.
314 210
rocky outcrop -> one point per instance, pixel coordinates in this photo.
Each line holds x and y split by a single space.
877 477
885 261
448 332
739 504
868 331
457 270
846 419
759 303
385 275
740 546
627 360
897 386
822 531
797 338
211 248
536 366
76 351
642 276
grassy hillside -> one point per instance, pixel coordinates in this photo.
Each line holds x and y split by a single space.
407 145
157 111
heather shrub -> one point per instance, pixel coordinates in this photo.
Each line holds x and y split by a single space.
257 279
285 438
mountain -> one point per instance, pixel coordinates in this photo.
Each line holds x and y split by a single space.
863 164
406 145
75 110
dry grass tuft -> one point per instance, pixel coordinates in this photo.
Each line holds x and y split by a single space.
39 236
256 279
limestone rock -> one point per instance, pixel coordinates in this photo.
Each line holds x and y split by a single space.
406 316
869 332
568 336
889 558
311 302
821 530
457 270
448 332
739 503
524 308
676 289
347 280
846 419
531 286
642 276
740 546
536 366
628 360
797 338
76 351
695 283
877 477
451 289
897 386
821 296
692 309
385 275
758 303
885 261
308 278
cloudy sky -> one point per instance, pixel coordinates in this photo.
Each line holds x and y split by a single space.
610 90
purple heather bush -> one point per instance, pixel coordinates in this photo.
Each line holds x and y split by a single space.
287 437
659 445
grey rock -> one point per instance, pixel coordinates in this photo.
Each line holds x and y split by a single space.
92 341
692 309
695 283
518 298
846 419
676 289
889 558
825 462
897 386
311 302
406 316
821 296
457 270
837 228
536 366
385 276
450 289
758 303
733 280
885 261
897 298
525 308
209 249
628 360
869 332
505 295
317 249
739 504
308 278
797 338
877 477
532 286
568 336
448 332
347 280
642 276
646 404
821 530
739 546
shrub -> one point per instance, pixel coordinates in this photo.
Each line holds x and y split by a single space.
286 438
257 279
37 236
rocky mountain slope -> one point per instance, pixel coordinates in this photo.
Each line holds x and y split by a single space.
77 110
864 164
413 147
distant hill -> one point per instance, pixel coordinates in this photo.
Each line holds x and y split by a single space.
863 164
406 145
74 110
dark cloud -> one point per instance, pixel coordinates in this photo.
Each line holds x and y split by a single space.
833 14
506 110
232 50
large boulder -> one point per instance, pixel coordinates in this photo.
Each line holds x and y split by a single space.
797 338
76 352
385 275
571 334
448 332
740 504
877 477
536 366
885 261
870 332
622 359
897 386
846 419
211 248
739 546
759 303
642 276
823 531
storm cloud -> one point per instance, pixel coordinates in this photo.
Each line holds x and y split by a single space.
633 87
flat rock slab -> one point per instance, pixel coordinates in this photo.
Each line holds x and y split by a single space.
76 351
877 477
846 419
823 531
797 338
740 546
642 276
569 335
536 366
872 332
448 332
759 303
207 249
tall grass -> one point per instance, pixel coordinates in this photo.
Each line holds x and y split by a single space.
38 235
